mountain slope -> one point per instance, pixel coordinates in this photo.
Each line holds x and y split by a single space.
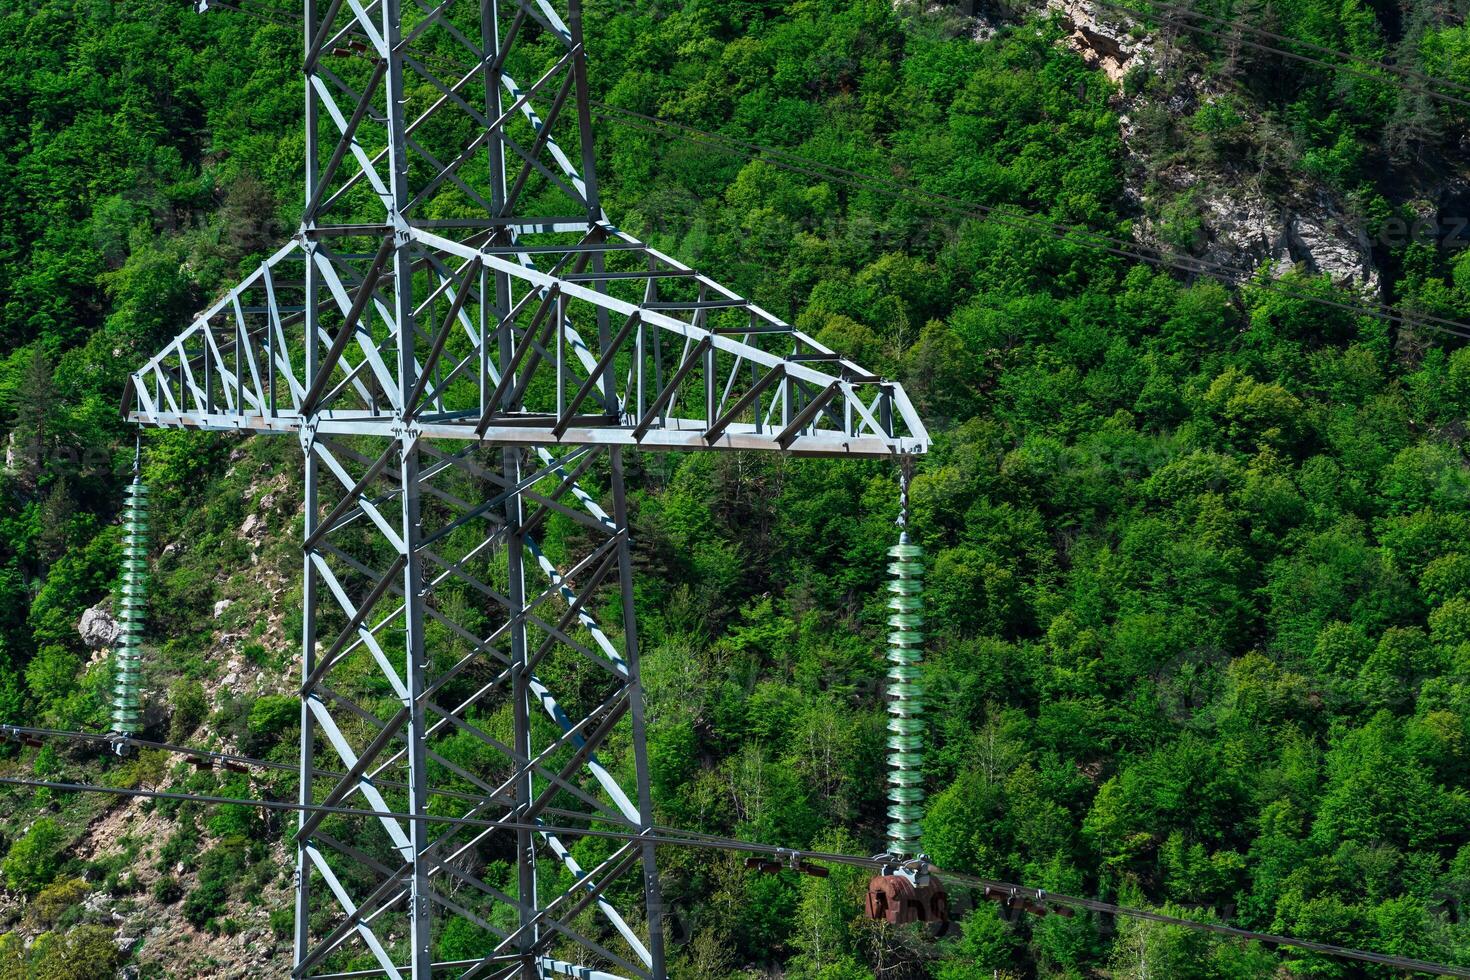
1200 604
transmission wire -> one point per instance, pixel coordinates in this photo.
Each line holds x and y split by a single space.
1308 59
993 888
1039 895
1100 241
230 758
1321 49
9 730
1080 236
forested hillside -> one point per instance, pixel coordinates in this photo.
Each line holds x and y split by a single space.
1199 586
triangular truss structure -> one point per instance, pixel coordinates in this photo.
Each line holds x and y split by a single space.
462 342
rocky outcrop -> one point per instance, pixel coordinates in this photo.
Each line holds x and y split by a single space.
97 626
1321 238
1243 229
1103 45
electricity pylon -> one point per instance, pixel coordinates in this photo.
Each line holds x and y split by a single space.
460 339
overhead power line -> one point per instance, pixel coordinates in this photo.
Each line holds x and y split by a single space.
786 160
1123 248
262 15
1366 62
230 760
235 763
991 887
1295 56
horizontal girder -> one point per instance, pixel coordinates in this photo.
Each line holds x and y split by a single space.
644 353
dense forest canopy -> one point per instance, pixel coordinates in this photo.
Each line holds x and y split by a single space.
1199 587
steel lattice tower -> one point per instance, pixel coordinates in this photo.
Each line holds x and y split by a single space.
461 340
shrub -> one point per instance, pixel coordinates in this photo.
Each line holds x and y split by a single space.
274 714
167 890
52 675
121 881
47 763
147 768
283 922
233 819
33 861
12 956
190 708
228 926
221 866
182 847
56 899
270 718
84 953
206 902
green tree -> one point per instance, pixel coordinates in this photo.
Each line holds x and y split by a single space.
35 858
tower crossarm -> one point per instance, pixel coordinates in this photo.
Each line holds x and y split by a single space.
639 351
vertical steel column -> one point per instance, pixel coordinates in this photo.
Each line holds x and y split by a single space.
493 309
415 673
302 936
494 107
653 895
421 935
308 723
523 792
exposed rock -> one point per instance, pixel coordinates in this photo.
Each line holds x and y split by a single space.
221 606
1321 239
1105 46
1243 229
1241 224
97 626
252 527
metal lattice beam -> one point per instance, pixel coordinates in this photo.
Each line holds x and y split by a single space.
461 340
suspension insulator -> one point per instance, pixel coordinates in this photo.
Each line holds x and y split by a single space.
127 655
906 698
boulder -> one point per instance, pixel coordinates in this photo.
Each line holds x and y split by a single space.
98 628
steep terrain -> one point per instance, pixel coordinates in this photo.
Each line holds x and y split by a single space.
1199 597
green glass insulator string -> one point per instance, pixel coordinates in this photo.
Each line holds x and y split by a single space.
905 690
127 656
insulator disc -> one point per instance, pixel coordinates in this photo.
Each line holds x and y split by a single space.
132 601
905 741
